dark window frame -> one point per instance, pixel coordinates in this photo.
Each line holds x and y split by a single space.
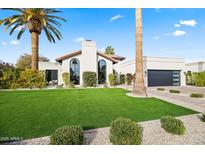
102 76
74 74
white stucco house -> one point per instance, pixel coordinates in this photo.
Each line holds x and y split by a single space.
195 67
158 71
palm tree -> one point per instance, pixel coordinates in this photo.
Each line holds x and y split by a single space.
35 20
139 87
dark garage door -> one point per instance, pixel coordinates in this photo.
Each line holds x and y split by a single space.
163 78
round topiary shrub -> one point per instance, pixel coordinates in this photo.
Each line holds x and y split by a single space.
68 135
125 132
173 125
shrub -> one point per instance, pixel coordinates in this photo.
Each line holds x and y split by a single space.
66 78
122 79
160 89
174 91
89 79
129 78
197 95
112 79
1 73
125 132
13 78
197 79
173 125
9 78
32 79
200 79
68 135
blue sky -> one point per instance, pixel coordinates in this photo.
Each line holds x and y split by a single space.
166 33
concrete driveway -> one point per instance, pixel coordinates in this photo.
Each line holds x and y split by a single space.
183 98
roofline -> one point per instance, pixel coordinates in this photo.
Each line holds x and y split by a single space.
195 62
107 57
75 53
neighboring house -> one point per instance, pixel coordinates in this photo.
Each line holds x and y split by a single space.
158 71
195 67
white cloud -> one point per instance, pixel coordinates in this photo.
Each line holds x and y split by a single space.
79 39
177 25
178 33
156 37
14 42
115 17
188 22
3 43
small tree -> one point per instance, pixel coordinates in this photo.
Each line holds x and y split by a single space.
109 50
66 78
129 78
89 79
112 79
24 62
122 79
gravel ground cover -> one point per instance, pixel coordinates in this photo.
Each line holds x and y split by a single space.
153 134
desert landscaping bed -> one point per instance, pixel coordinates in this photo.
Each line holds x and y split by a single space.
153 134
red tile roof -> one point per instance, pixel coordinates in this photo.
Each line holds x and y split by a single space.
75 53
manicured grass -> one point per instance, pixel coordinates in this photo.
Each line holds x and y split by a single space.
38 113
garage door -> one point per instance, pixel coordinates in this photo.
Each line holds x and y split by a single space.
163 78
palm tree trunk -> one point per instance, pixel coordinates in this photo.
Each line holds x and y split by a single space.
34 44
139 87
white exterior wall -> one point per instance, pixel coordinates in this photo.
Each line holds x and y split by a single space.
196 67
109 67
154 63
52 66
88 61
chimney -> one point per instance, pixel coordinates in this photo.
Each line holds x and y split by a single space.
89 56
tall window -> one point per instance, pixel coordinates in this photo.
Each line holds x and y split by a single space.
101 72
75 71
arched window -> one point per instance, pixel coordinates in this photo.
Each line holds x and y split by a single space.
75 71
101 72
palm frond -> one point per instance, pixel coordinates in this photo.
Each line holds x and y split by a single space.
20 33
14 9
49 11
53 17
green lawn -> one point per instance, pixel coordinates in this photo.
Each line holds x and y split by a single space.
38 113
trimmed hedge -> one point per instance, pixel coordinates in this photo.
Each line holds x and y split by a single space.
160 89
125 132
89 79
173 125
66 78
197 95
68 135
112 79
129 78
122 79
174 91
